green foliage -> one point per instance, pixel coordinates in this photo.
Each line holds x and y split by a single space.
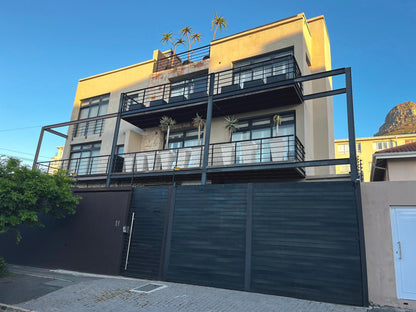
3 268
231 124
25 194
218 21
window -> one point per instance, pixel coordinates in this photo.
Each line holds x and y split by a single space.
263 67
345 148
84 158
383 145
93 107
185 138
409 141
189 88
259 131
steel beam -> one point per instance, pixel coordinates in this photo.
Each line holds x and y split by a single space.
351 126
324 94
78 121
115 138
207 132
330 73
57 133
35 160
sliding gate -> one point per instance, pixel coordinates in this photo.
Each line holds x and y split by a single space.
290 239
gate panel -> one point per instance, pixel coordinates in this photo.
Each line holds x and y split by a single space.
305 241
208 236
149 206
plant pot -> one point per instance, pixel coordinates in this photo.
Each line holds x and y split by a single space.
184 155
128 162
153 161
195 160
227 153
278 148
248 151
141 162
166 159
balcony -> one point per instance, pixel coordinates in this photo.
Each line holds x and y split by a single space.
261 85
236 160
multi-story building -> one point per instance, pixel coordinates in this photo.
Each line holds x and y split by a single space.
265 96
248 75
366 147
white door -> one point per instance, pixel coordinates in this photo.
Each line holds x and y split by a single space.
403 221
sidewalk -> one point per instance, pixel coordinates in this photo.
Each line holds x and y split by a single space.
45 290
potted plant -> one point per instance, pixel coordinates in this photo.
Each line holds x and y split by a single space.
166 156
227 150
196 152
168 38
191 38
278 145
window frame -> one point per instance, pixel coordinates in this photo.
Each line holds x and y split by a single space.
89 105
91 164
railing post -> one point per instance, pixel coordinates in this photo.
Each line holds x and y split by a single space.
351 126
115 137
208 130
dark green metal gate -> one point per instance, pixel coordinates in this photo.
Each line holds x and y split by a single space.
291 239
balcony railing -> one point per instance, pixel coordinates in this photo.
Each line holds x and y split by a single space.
261 75
88 128
183 58
240 153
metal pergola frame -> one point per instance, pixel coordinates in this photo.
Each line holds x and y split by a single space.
313 163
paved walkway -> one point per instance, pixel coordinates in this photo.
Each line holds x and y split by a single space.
48 290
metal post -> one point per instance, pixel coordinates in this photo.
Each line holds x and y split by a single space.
35 160
351 126
207 131
115 137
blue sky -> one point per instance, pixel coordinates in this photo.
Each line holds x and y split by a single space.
47 46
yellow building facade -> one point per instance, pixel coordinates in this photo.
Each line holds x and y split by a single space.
366 147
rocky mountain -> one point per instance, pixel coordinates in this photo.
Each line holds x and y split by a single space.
400 120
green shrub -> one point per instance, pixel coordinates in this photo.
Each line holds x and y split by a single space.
3 267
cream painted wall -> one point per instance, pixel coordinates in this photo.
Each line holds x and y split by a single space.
402 169
377 198
322 121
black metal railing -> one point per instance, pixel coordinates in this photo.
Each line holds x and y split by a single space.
83 166
285 148
274 149
183 58
88 128
278 71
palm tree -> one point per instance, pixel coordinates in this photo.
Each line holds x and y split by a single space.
231 124
191 37
218 21
168 38
199 123
277 121
165 124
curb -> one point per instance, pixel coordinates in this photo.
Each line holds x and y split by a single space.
9 308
